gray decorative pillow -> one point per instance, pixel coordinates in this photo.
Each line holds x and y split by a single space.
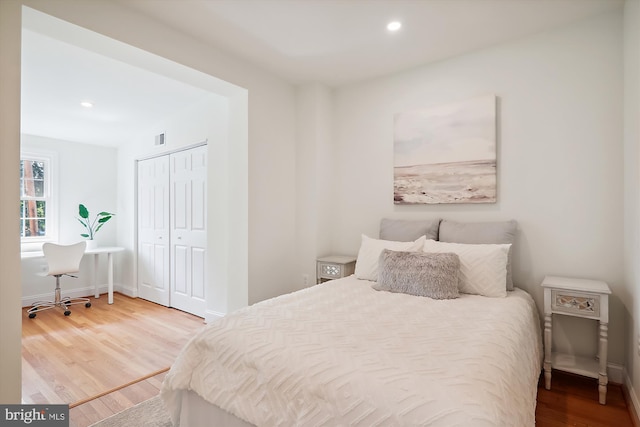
482 232
407 230
433 275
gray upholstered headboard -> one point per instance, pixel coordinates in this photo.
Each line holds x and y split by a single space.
407 230
499 232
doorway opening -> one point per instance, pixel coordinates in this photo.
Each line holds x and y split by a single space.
226 177
223 121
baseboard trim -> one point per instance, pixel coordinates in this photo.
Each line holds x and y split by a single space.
87 291
130 292
616 373
632 399
210 316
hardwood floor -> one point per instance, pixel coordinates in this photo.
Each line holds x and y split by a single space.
69 359
573 401
75 359
102 407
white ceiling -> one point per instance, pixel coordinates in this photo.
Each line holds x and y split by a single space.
57 76
334 42
341 41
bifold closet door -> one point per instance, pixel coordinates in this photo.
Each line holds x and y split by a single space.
188 217
153 230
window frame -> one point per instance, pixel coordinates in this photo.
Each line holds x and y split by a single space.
51 196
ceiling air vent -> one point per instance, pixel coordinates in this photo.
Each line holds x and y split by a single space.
160 140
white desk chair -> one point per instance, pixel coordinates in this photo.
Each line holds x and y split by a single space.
62 260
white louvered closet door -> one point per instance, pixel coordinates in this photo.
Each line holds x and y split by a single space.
153 230
188 218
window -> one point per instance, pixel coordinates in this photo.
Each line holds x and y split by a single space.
36 205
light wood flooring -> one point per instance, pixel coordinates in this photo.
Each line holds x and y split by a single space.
77 358
94 350
103 407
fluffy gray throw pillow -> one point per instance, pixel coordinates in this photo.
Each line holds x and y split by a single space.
433 275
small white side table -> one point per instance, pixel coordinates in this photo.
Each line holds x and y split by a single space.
334 267
580 298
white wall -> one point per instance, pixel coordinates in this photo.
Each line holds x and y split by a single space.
85 174
205 122
314 178
632 193
559 156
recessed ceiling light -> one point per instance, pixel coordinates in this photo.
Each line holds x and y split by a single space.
86 104
394 26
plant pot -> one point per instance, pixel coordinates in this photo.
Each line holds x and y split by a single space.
92 244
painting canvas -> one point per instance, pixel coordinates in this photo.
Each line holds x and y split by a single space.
446 154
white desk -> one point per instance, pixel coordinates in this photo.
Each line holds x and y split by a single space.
109 250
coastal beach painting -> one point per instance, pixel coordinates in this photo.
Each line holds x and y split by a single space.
446 154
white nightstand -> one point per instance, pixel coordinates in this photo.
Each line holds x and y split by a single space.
581 298
334 267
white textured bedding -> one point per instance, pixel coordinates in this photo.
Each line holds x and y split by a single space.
342 353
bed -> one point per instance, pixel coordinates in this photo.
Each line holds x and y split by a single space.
346 353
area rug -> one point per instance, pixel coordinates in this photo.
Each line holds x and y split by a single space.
150 413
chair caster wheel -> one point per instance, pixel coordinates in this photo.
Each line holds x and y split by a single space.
67 312
32 315
88 305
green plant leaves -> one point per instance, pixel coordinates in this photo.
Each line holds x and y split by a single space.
83 211
95 225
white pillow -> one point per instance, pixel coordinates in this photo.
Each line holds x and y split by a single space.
483 267
370 250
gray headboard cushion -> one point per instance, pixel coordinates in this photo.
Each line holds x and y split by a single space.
481 232
405 230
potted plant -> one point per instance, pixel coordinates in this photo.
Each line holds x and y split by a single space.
92 226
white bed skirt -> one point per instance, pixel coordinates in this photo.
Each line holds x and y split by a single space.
197 412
